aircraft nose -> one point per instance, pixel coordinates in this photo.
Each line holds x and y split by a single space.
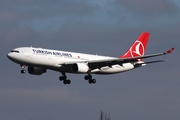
9 55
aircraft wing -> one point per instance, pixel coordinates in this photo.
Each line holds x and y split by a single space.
109 62
154 55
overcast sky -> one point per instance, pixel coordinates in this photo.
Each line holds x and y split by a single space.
105 27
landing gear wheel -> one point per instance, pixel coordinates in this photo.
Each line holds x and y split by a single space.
64 82
86 77
94 81
64 79
67 81
61 78
23 71
90 81
89 78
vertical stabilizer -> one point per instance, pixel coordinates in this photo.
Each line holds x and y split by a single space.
138 47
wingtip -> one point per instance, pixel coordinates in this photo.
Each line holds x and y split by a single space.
170 51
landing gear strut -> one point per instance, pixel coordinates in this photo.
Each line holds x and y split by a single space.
89 78
23 71
64 79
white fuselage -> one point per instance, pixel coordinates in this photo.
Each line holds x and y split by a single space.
62 60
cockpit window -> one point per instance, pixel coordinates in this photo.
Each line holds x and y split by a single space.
16 51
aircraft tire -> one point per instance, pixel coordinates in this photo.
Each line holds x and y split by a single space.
61 78
67 81
86 77
94 81
23 71
90 81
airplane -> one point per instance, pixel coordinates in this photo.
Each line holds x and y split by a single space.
38 60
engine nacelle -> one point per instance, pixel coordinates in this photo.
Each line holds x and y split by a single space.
36 70
80 67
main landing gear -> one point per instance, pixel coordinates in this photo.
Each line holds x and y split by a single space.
89 78
64 79
86 77
23 71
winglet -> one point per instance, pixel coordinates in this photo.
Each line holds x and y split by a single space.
169 51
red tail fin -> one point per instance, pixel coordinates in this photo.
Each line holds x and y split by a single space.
139 46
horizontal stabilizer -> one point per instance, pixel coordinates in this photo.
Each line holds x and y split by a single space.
154 61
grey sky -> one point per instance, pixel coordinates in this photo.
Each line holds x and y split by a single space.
105 27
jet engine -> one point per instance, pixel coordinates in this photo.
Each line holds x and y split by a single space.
36 70
80 67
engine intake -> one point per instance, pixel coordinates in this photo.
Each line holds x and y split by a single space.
36 70
80 67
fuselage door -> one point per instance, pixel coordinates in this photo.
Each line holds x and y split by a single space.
27 52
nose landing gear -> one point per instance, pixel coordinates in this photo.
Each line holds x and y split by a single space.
23 71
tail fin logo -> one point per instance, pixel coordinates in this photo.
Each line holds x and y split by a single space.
137 49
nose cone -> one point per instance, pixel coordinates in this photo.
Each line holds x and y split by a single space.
11 56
